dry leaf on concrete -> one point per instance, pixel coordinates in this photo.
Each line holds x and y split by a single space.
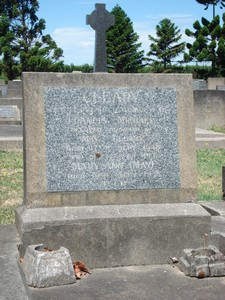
21 260
80 269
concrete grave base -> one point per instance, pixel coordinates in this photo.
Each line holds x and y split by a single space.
116 235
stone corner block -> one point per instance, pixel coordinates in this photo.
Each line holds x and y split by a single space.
47 268
202 262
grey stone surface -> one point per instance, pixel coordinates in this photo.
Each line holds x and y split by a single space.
11 138
158 282
10 131
116 235
199 84
9 114
11 102
111 139
209 108
6 112
3 89
178 90
45 269
100 20
207 139
11 283
213 82
203 262
220 87
215 208
217 237
14 89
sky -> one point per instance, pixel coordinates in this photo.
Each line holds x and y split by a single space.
66 22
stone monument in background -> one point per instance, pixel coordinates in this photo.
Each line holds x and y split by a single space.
100 20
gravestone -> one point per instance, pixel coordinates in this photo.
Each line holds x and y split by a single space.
100 20
3 88
9 115
6 112
110 169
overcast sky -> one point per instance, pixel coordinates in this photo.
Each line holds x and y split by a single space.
66 22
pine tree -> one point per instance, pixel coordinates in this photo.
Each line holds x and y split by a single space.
22 44
165 46
122 45
213 3
209 44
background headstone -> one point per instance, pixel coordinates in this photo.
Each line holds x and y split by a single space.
9 114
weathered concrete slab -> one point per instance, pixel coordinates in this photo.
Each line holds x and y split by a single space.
11 283
143 282
134 282
118 235
215 208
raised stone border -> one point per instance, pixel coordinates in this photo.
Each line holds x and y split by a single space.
116 235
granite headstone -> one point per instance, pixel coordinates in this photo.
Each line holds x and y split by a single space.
96 136
109 160
116 138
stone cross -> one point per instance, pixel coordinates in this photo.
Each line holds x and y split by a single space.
100 20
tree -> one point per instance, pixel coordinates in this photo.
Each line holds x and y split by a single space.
209 44
22 44
212 2
123 55
165 46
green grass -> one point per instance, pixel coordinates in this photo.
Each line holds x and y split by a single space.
7 215
11 184
216 128
209 167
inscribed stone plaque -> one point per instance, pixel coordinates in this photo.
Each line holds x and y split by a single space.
111 139
6 112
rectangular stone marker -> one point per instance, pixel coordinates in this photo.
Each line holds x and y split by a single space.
9 114
108 139
111 139
6 112
109 161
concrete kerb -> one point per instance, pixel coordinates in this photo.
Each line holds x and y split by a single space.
207 139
